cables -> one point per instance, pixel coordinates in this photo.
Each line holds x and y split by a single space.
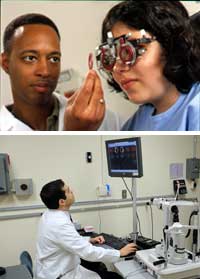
151 221
127 188
135 272
177 190
191 215
139 227
152 232
99 214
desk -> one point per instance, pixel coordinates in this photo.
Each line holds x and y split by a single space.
16 272
131 270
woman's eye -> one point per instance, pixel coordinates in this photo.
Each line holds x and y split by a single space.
29 58
55 59
141 50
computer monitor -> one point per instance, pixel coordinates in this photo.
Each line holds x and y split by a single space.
124 157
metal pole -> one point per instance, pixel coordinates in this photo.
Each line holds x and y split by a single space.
195 147
198 231
134 195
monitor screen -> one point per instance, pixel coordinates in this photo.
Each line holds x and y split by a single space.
124 157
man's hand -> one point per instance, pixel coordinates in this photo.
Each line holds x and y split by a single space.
129 248
86 108
99 239
69 94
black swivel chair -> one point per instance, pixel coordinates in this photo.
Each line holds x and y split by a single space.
25 259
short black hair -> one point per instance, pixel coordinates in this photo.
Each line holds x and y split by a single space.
32 18
52 192
169 22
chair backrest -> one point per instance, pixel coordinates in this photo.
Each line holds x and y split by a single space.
26 260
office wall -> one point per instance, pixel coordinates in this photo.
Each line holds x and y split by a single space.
79 23
44 158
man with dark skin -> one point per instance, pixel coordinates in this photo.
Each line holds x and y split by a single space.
31 58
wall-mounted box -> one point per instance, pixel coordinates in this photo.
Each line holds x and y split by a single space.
23 187
4 173
192 168
180 185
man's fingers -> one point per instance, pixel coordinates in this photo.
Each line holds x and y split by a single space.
87 89
90 61
97 98
72 98
132 247
68 94
86 107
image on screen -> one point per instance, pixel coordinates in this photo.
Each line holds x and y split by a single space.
124 157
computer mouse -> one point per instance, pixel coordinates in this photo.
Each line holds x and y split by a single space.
129 239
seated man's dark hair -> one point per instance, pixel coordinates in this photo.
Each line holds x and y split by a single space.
169 22
32 18
52 192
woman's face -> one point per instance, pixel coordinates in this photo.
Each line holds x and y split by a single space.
143 82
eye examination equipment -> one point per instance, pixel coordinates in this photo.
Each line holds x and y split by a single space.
172 259
123 48
178 254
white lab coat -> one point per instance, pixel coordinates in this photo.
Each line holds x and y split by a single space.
60 247
8 122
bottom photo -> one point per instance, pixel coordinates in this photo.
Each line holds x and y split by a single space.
100 206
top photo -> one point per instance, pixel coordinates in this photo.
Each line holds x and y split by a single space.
100 66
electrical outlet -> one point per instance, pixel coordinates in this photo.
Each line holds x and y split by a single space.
104 191
124 194
89 157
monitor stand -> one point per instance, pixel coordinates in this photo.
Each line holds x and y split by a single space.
134 195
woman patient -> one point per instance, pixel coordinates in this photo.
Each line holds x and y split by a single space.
149 52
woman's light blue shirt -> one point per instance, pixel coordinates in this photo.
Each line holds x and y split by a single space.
184 115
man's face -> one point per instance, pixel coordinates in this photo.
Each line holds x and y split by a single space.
69 196
33 63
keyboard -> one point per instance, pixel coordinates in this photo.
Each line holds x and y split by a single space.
118 242
146 243
114 241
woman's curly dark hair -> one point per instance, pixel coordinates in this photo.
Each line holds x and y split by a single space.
169 22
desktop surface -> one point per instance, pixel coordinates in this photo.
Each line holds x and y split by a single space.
131 270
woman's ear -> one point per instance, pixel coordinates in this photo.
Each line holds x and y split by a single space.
4 62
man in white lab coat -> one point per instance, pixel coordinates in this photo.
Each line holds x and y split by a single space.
32 59
59 245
